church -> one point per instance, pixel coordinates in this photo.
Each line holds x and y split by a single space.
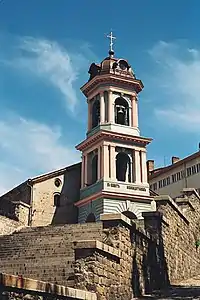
95 230
112 176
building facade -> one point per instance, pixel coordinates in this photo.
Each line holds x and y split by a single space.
171 180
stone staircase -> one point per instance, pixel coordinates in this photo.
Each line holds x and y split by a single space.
45 253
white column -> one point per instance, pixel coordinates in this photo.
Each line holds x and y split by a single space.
102 108
110 107
105 172
144 167
137 167
112 162
99 164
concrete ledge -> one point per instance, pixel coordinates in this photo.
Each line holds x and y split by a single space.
19 282
95 244
166 198
116 217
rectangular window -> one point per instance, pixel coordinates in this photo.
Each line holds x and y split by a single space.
194 169
164 182
178 176
182 174
174 178
160 184
189 171
155 186
198 168
168 180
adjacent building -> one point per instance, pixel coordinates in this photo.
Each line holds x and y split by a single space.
172 179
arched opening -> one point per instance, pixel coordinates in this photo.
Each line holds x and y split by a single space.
90 218
95 113
94 169
123 167
57 200
129 214
121 111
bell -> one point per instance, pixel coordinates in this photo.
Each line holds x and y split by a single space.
120 111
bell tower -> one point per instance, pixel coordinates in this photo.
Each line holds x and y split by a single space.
114 173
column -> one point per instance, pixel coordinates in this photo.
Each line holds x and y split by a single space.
112 162
111 107
99 163
102 108
89 115
86 171
105 171
137 167
135 111
144 166
83 171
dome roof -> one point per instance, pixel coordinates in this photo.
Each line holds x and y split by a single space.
111 65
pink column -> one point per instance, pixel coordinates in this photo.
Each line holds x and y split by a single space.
83 171
89 115
134 111
113 162
102 108
105 160
110 109
99 164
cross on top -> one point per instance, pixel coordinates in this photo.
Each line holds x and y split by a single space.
111 37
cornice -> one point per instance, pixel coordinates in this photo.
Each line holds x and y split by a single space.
112 78
108 135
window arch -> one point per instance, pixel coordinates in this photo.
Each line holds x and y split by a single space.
121 111
90 218
94 169
57 199
95 113
123 167
129 214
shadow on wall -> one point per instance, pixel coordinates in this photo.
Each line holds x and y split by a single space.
149 265
66 212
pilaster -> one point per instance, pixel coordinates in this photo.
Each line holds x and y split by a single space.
102 108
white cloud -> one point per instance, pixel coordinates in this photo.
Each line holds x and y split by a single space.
178 77
28 148
49 61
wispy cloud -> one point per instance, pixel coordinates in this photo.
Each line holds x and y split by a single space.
28 148
178 77
50 61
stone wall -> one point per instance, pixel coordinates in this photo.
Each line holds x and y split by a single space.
180 233
43 210
117 258
8 226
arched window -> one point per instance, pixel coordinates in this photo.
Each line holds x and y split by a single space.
94 168
121 111
90 218
95 113
129 214
57 200
123 167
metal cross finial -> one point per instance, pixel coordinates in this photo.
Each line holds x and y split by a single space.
111 37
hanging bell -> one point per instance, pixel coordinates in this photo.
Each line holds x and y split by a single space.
120 111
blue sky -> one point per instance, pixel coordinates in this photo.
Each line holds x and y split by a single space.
46 47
